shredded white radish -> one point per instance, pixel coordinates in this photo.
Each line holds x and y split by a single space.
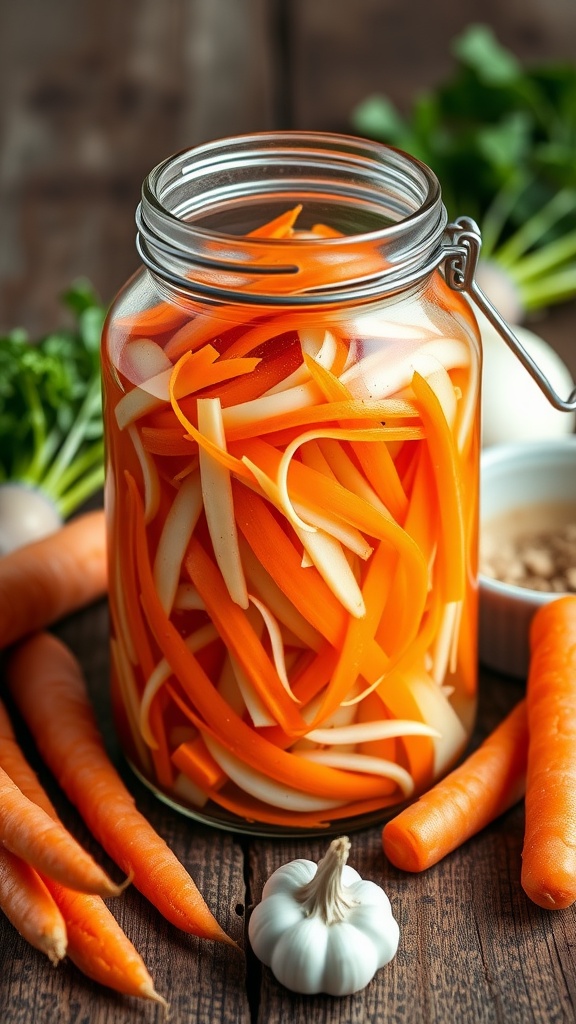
331 562
152 489
218 502
263 788
127 685
269 592
143 359
365 732
254 704
446 642
184 788
187 598
276 643
179 525
364 763
348 536
195 642
133 405
228 687
268 407
379 375
437 711
438 378
348 474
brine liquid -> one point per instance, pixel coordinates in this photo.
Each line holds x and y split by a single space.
292 510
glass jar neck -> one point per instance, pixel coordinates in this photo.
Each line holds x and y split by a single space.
201 207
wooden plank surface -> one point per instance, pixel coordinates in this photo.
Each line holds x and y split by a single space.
92 95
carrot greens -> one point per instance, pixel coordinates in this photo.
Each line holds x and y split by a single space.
500 137
51 414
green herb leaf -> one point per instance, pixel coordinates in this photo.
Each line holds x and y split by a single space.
50 404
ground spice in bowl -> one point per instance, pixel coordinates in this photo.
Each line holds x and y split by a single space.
543 560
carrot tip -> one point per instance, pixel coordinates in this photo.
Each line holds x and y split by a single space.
57 949
147 991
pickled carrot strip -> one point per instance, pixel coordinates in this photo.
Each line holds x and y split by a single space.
254 337
194 760
240 638
306 485
373 434
303 406
276 552
448 496
364 763
250 809
376 461
249 746
279 227
359 632
170 441
178 527
218 504
195 374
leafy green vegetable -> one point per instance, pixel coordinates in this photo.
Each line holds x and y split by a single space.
51 406
502 140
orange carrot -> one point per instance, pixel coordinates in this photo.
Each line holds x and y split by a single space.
95 940
28 905
98 946
50 578
480 789
549 852
30 833
47 685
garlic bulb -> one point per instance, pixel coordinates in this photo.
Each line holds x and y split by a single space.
322 928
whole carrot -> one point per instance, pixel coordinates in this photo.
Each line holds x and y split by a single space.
43 581
30 833
48 686
28 905
94 940
480 789
549 851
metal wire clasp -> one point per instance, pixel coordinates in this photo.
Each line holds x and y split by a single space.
460 262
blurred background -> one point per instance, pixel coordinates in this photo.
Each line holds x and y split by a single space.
94 93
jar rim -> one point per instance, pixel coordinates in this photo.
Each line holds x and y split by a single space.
396 198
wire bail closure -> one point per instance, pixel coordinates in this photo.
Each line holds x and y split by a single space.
460 262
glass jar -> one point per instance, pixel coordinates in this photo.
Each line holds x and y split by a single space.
291 414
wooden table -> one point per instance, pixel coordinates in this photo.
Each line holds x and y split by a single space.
93 95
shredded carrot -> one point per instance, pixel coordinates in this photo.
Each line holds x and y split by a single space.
549 850
484 786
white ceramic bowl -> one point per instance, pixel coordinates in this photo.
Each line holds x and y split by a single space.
520 483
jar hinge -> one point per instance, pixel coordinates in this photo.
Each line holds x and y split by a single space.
461 257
